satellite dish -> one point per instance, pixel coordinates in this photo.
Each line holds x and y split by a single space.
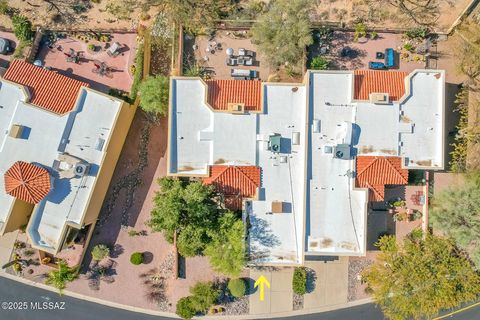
229 52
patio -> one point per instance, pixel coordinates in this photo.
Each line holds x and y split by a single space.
362 51
210 53
85 67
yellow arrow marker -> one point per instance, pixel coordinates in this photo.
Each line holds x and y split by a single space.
262 281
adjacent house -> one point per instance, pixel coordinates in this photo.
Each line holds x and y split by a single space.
61 142
303 161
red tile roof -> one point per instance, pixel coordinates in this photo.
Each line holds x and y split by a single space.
49 90
235 183
371 81
222 92
376 172
27 182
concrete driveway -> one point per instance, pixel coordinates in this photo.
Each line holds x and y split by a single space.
279 297
331 285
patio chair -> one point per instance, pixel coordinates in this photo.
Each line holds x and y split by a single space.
114 49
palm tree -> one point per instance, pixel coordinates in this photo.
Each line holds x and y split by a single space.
59 278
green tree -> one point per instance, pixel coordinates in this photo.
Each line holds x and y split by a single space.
59 278
456 212
226 251
100 251
154 93
319 63
204 295
185 308
283 32
22 27
416 279
186 208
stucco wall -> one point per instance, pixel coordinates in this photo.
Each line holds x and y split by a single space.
113 151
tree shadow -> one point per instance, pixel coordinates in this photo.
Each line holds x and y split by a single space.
117 250
261 233
250 286
311 280
147 257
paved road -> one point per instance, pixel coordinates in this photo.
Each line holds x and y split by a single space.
75 309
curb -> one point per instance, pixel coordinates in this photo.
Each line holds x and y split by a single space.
173 315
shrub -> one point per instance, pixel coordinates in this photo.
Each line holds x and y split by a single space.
22 27
360 31
204 295
17 267
299 281
91 47
416 215
419 32
136 258
319 63
408 46
133 233
59 278
373 35
4 8
237 287
138 75
99 252
185 308
144 16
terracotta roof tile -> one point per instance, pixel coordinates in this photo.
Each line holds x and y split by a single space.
27 182
370 81
222 92
376 172
235 183
49 90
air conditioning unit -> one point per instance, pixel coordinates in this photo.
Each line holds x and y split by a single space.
236 108
81 169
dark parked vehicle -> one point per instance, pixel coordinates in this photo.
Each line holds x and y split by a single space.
377 65
5 46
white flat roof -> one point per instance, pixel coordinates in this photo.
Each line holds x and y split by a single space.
277 238
329 215
46 136
335 221
200 138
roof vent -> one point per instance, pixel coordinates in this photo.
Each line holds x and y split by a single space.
236 108
16 131
277 207
99 144
379 98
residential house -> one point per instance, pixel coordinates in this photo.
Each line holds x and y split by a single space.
304 160
61 142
